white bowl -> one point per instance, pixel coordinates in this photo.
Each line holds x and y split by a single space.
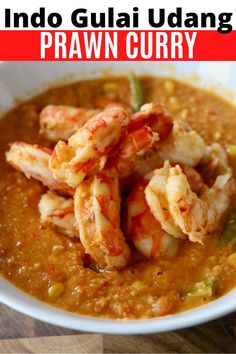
23 80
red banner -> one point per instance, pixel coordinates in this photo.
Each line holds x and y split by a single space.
122 45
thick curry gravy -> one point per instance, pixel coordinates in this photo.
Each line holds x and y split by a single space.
35 257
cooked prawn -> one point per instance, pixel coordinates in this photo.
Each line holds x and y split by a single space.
194 178
124 158
196 216
60 122
177 141
158 203
58 211
152 160
97 212
33 161
183 145
87 150
214 163
155 116
143 228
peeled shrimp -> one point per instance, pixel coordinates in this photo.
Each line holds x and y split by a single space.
152 160
87 150
60 122
194 178
198 217
214 162
195 216
177 142
97 212
132 141
33 161
183 145
124 158
58 211
155 116
158 202
143 228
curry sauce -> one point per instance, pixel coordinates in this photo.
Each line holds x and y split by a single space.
51 267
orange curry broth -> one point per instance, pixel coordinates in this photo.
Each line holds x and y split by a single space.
34 257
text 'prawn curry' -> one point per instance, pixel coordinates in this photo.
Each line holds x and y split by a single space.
117 197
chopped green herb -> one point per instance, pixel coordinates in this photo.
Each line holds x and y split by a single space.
136 92
200 289
229 232
208 286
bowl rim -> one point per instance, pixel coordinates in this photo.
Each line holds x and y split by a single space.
25 304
